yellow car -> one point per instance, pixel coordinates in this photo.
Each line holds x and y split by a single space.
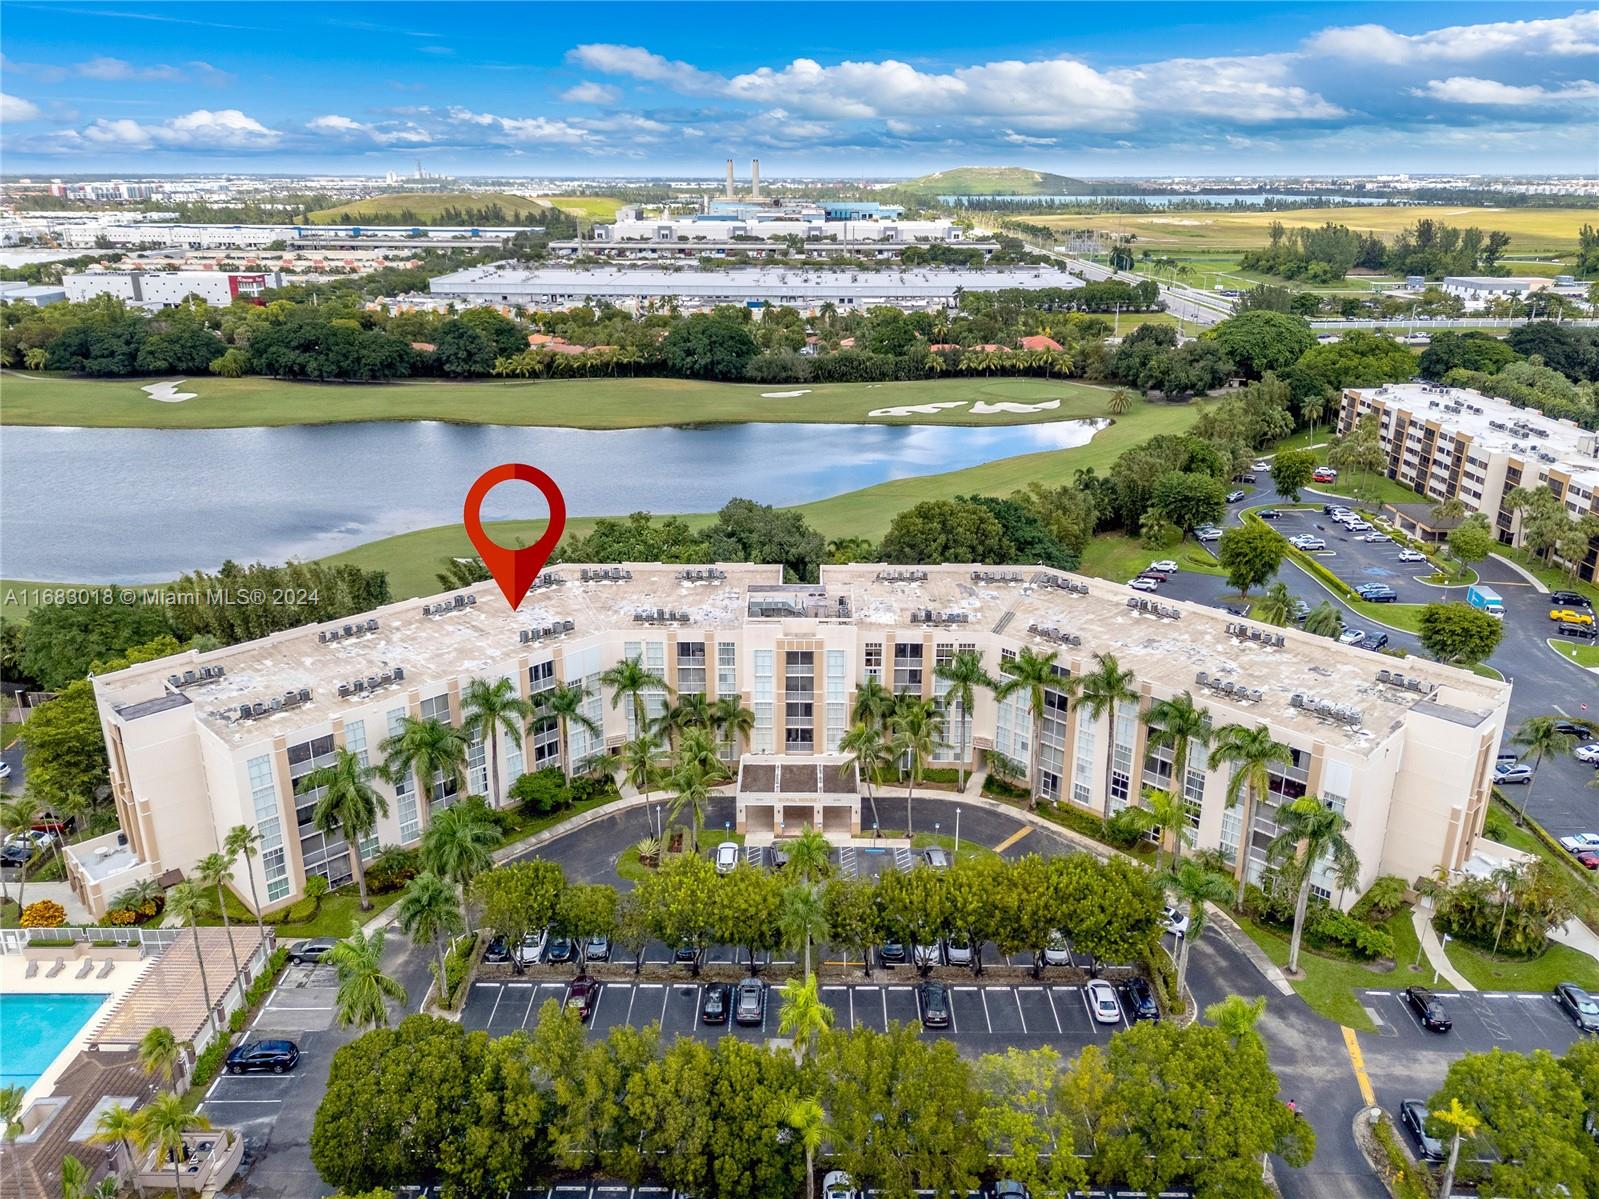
1570 616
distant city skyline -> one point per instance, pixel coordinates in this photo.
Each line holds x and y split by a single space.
871 90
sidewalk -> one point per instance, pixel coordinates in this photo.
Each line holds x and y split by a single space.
61 893
1579 936
1421 920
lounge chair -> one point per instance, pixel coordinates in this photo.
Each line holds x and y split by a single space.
33 969
61 964
106 969
86 969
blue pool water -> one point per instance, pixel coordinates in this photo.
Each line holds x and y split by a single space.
34 1028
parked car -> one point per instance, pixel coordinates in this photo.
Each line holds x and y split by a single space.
1570 728
1357 526
531 948
1578 842
1208 533
1412 556
1352 637
958 951
925 957
1102 1002
15 854
1139 1000
1507 776
685 954
837 1185
1009 1188
36 838
891 953
727 856
1246 477
1586 632
1587 753
1165 566
1234 496
1579 1005
1571 615
257 1057
1569 599
935 1004
583 993
1058 951
1308 541
749 1001
1301 609
1268 514
1507 758
597 949
1144 583
936 857
1261 465
1588 859
714 1003
1374 641
1413 1115
1377 593
313 951
1375 537
1428 1010
1324 474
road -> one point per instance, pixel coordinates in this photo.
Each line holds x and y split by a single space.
1182 301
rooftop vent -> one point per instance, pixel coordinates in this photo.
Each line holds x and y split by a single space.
560 627
606 574
902 576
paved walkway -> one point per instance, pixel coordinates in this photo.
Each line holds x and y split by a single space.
1421 920
1579 936
62 894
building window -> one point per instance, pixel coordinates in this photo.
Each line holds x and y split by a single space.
355 740
799 701
436 707
1124 732
872 664
691 668
837 699
477 768
762 735
512 748
1194 796
907 668
269 824
726 668
1083 766
541 677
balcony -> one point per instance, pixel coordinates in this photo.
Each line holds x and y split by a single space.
101 867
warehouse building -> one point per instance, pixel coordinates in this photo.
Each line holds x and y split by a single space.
201 742
166 289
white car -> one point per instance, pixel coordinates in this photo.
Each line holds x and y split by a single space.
1057 952
5 770
1261 465
1306 541
1412 556
1176 922
1103 1003
1588 753
1209 533
727 855
837 1185
1352 636
1165 565
38 838
1144 583
1581 841
531 949
1376 537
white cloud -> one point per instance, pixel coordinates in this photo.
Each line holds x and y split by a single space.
524 129
200 129
638 63
589 92
15 108
387 134
1466 89
117 70
1570 36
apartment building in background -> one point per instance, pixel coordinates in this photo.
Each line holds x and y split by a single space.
1448 442
201 742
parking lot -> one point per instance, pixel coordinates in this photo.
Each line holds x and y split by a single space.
983 1017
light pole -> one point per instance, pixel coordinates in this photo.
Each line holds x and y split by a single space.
957 828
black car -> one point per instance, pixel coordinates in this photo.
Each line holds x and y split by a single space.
1244 478
935 1004
1138 1000
262 1056
1569 599
1582 1007
498 951
562 949
1427 1009
1374 641
15 854
891 954
1572 729
1330 509
1384 595
1268 514
313 952
1413 1115
714 1003
1570 628
749 1001
686 954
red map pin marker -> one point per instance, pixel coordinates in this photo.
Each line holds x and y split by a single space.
514 570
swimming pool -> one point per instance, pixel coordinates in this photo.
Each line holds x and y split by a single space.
35 1028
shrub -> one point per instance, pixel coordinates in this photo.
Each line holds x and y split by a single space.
316 887
52 942
1384 898
121 916
1405 1178
208 1064
587 787
394 866
1126 828
479 807
1074 818
1163 975
1327 926
44 913
540 792
457 961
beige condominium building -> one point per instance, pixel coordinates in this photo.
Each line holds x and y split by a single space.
201 742
1448 442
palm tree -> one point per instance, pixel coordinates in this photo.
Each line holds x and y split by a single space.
213 870
640 758
1195 886
965 674
1276 607
1537 736
188 903
691 785
243 841
803 1016
1034 674
805 1117
488 710
11 1126
810 856
1251 752
363 987
918 726
698 745
1310 832
801 919
1463 1122
17 816
1103 689
349 805
733 721
564 705
74 1178
1168 814
874 703
160 1053
162 1123
1236 1016
1324 620
118 1126
146 890
429 911
427 748
1120 402
1181 724
869 751
1312 408
459 845
691 711
630 679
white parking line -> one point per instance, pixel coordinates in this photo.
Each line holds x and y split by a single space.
496 1007
1020 1015
1050 996
595 1010
660 1021
208 1099
987 1019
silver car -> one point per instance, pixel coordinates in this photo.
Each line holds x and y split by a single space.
1058 952
958 951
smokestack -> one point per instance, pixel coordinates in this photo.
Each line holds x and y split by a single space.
755 178
730 192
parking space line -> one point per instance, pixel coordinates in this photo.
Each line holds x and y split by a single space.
987 1019
498 996
666 993
595 1011
1049 995
1020 1015
1088 1008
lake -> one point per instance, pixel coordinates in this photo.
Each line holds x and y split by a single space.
141 505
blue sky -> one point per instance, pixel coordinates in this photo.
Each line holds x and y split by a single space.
826 88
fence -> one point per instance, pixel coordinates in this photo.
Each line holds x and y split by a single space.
12 940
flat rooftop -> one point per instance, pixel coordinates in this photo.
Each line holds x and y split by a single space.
742 281
1168 643
1498 426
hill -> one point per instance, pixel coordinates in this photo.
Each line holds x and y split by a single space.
998 181
425 208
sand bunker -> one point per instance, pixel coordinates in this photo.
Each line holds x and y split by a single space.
168 392
784 395
915 409
984 408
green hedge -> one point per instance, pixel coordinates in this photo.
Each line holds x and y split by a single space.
209 1064
1404 1178
457 961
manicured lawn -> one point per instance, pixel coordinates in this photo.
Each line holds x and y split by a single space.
593 208
1397 616
1374 489
1117 557
338 916
1332 986
1555 580
1557 964
33 398
1586 654
968 847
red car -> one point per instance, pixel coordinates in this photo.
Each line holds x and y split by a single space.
1589 859
583 994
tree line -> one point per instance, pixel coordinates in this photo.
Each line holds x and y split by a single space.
1326 253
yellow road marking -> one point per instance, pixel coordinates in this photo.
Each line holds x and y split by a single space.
1358 1062
1013 838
